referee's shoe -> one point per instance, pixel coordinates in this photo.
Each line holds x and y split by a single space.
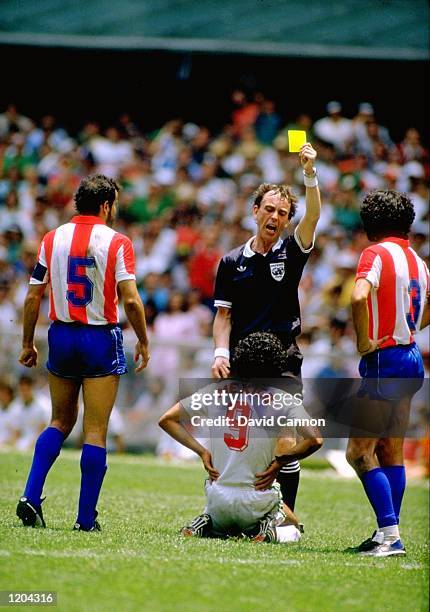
30 514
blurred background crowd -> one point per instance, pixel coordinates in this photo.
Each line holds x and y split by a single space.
185 200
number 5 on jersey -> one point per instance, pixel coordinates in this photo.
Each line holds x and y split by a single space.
82 294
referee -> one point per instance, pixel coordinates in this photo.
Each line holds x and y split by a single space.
257 283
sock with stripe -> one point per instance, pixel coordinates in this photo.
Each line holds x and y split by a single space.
289 478
93 470
396 475
46 450
378 492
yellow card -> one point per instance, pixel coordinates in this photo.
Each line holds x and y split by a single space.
296 139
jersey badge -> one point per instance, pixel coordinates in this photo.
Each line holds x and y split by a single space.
277 270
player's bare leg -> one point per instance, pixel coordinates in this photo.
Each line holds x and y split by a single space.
99 396
290 518
361 454
64 398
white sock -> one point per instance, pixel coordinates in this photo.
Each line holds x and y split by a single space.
391 532
287 533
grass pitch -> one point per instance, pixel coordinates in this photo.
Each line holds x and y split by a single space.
139 562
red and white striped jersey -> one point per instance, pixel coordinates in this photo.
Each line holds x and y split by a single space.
400 284
83 261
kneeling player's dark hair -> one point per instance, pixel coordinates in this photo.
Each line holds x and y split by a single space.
94 191
386 213
259 355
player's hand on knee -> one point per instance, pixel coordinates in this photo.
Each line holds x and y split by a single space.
221 367
206 457
141 351
28 357
265 479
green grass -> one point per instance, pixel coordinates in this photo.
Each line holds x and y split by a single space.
139 562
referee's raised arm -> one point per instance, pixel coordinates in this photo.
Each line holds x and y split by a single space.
306 228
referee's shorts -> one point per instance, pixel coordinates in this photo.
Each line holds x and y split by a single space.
77 350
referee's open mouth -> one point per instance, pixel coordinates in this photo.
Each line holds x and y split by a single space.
272 229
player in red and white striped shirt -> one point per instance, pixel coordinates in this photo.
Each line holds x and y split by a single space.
389 304
86 263
83 261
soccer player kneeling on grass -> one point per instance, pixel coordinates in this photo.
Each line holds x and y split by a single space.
241 459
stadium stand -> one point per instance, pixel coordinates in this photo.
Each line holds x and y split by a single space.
185 201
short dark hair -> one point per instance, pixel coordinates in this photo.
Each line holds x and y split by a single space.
284 191
259 355
386 213
93 191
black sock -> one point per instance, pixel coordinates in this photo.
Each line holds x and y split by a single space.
289 482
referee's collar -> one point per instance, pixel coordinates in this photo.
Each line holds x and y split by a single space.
248 252
87 219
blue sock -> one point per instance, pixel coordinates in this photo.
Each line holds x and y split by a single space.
46 450
93 469
378 491
396 475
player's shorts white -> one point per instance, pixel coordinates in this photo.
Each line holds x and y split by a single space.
238 508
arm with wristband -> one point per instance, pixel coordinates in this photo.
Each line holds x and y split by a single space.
306 227
221 333
222 321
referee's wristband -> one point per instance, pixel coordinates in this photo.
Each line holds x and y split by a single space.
222 352
310 180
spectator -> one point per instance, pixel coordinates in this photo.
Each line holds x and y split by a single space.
30 414
267 123
335 129
7 436
203 263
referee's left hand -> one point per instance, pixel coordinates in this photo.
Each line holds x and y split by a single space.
307 157
221 367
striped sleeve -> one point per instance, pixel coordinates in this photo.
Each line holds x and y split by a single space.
370 267
125 265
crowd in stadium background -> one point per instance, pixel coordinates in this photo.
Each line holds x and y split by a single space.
186 199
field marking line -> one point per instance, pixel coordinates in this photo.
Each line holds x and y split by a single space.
219 560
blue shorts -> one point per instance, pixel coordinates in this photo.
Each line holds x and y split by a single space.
77 350
392 373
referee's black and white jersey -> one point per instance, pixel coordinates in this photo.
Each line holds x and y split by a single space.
262 290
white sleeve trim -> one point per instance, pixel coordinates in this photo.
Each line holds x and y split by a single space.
222 303
34 281
301 247
122 276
